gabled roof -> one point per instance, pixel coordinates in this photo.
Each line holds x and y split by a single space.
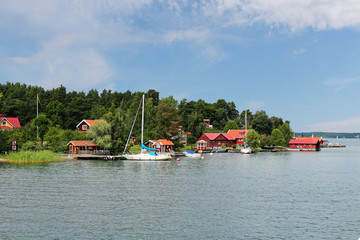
89 122
88 143
13 121
163 142
304 141
213 136
235 133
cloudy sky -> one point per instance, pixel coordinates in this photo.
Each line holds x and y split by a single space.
299 60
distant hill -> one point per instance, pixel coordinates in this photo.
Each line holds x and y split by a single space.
328 134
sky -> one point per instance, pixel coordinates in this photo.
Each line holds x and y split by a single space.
298 60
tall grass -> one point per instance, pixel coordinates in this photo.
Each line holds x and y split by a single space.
33 157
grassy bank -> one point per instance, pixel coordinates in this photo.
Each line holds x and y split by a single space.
33 157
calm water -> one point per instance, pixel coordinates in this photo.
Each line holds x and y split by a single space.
224 196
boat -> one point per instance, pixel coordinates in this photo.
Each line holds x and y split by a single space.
218 150
192 154
246 149
146 154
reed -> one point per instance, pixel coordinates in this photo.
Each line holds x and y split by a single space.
33 157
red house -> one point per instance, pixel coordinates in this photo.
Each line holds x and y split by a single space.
9 122
85 124
305 144
238 135
163 145
78 147
207 122
212 140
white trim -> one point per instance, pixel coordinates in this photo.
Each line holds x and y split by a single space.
77 126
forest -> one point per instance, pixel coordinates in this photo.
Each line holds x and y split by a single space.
59 112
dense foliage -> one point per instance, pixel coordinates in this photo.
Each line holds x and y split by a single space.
60 111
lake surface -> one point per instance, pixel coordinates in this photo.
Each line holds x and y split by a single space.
292 195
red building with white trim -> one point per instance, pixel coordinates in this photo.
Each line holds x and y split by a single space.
209 141
305 144
239 135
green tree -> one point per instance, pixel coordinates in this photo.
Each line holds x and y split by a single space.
262 123
56 113
287 132
253 139
276 122
100 133
249 119
196 125
277 138
167 120
42 125
5 145
54 138
231 124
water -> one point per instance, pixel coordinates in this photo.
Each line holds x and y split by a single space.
295 195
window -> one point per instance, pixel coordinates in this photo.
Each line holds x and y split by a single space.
311 145
4 123
84 127
305 145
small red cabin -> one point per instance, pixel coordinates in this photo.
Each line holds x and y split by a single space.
163 145
302 144
212 140
79 147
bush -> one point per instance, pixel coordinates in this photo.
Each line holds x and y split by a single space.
30 146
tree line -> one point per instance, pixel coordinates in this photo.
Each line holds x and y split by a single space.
60 111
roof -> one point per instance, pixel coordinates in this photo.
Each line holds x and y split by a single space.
12 120
88 143
163 142
304 141
235 133
213 136
89 122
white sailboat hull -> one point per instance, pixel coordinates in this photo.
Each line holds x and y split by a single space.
245 150
148 157
192 155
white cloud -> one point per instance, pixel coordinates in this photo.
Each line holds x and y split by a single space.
340 84
293 14
347 125
66 39
256 105
299 51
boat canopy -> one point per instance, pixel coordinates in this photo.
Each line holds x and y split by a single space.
149 149
189 151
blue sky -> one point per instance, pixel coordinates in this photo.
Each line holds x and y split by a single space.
298 60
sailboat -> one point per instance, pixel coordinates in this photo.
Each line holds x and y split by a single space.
146 154
245 149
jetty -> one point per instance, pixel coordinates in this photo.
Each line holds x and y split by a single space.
96 157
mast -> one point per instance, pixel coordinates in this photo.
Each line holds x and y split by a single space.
142 122
245 126
37 116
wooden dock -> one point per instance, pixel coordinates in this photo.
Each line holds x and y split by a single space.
97 157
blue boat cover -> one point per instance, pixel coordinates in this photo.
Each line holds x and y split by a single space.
149 149
152 154
189 151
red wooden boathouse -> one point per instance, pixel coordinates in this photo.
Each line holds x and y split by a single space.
305 144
